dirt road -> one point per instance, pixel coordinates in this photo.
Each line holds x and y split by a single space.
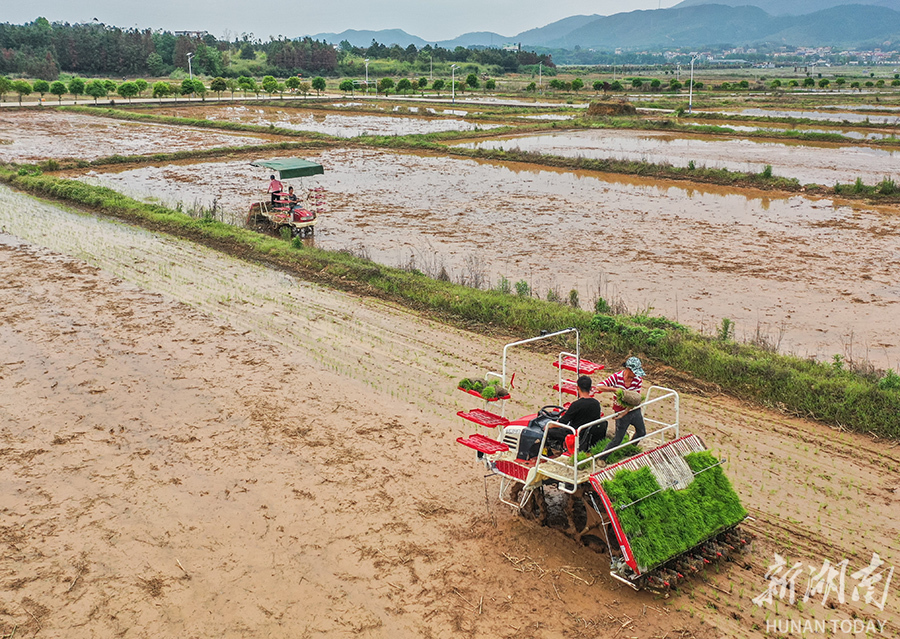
207 448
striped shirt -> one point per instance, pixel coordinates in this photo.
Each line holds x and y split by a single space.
617 380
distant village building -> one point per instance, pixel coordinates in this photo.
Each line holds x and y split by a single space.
192 34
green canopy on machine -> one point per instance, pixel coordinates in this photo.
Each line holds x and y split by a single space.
288 168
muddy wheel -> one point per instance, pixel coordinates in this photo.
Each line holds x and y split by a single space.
536 507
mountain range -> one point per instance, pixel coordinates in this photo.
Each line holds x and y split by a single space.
691 23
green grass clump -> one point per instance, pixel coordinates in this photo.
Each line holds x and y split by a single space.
671 522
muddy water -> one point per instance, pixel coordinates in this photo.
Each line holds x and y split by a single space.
33 134
807 162
827 116
341 125
855 134
815 276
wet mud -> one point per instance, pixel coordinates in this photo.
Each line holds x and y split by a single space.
808 162
337 124
220 450
811 277
32 135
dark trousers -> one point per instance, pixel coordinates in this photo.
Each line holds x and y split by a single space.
634 418
556 437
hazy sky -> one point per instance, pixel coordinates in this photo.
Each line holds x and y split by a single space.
428 19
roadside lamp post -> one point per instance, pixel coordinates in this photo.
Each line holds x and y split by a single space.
691 91
540 77
367 76
453 69
190 69
431 72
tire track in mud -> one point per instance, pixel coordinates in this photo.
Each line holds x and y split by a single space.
809 487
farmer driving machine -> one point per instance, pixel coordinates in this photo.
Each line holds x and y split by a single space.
661 507
286 212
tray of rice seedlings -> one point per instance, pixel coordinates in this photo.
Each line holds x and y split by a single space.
488 390
671 509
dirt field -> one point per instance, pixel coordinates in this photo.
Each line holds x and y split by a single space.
223 451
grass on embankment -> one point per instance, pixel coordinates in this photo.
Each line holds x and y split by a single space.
826 392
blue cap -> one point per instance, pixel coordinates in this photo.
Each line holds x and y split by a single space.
634 365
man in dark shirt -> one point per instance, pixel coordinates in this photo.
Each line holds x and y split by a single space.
583 410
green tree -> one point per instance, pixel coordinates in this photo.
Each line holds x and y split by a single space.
793 84
200 88
404 85
127 90
318 84
269 84
247 84
598 85
437 85
616 86
42 87
655 84
5 86
824 82
775 84
110 86
96 89
218 85
840 82
809 82
155 65
141 85
76 87
472 81
878 83
854 85
577 84
161 89
232 85
532 87
346 85
637 83
423 83
490 85
675 85
385 85
58 89
744 84
187 86
292 83
304 88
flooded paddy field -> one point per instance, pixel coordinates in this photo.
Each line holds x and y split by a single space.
847 117
816 277
345 125
820 163
31 135
775 127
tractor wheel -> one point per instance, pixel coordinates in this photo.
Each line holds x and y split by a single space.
536 507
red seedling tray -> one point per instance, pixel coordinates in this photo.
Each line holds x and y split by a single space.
484 418
478 395
585 367
483 444
569 386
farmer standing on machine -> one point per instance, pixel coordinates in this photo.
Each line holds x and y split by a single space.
630 378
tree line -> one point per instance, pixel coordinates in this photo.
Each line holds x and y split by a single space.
42 50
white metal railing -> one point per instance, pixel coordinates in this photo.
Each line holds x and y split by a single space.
570 468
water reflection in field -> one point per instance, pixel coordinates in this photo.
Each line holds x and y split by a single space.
345 125
819 163
815 274
32 135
